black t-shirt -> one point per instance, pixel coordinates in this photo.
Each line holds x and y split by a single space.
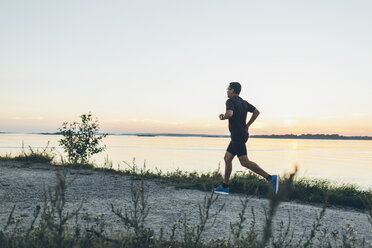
237 123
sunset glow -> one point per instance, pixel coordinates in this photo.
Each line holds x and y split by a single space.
164 66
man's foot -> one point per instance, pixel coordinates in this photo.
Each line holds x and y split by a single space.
275 182
221 190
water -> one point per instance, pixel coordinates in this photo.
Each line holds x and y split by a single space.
341 161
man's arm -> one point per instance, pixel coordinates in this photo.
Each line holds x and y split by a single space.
253 117
229 113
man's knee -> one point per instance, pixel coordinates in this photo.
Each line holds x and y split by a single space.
228 158
244 161
243 158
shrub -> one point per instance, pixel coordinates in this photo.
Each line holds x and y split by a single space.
80 140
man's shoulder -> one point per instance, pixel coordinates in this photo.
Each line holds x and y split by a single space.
238 99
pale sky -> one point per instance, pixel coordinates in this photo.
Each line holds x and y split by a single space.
164 66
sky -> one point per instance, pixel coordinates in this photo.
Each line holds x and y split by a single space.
164 66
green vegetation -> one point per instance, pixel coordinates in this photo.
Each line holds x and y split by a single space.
53 226
45 155
304 190
80 140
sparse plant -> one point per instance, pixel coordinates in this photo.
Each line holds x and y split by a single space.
368 205
45 155
205 215
315 227
187 235
54 217
284 192
236 228
281 240
134 218
108 164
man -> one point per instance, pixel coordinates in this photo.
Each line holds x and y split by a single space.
236 113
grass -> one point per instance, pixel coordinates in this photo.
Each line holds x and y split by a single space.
313 191
45 155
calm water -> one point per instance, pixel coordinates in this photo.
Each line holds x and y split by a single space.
337 160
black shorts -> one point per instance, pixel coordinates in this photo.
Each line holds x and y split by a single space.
237 148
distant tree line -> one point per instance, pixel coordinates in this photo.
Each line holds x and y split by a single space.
313 136
272 136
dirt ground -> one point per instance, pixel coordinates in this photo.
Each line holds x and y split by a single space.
24 184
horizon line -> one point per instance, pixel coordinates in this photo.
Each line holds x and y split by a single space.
281 136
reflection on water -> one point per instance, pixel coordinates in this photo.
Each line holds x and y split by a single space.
337 160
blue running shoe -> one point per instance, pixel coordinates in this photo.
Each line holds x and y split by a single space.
221 190
275 182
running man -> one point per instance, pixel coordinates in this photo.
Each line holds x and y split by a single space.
236 112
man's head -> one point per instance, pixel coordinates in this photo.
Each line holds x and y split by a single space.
234 89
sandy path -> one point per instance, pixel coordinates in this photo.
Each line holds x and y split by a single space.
23 185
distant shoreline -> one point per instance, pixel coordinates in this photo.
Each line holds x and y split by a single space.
272 136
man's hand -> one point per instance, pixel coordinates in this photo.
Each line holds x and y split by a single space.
229 113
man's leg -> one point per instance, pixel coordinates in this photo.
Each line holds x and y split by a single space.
224 187
228 166
273 179
244 161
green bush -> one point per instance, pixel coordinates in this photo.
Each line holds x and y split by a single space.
80 140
